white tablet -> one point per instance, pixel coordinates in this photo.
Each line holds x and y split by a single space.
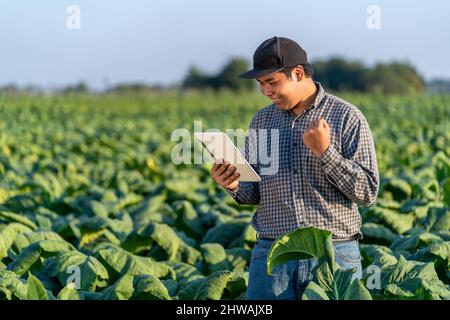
220 146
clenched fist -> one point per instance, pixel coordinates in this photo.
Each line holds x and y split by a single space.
317 137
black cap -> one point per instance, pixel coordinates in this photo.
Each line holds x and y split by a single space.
273 55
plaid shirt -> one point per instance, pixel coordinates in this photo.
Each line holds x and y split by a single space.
305 190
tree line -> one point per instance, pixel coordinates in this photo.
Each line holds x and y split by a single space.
336 74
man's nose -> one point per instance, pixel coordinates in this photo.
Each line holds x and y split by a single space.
266 89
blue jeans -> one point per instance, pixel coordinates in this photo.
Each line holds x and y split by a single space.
289 280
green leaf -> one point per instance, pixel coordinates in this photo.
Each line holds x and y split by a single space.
303 243
412 280
8 235
14 217
379 255
400 189
92 273
16 286
69 292
438 219
212 288
31 254
376 233
314 292
357 291
188 219
214 258
147 287
225 233
36 290
446 191
185 273
25 239
122 289
394 220
237 284
122 262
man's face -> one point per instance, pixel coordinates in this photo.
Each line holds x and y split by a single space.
282 90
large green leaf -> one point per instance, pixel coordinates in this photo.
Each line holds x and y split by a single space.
25 239
376 233
69 292
17 287
147 287
225 233
439 254
91 272
8 235
188 219
185 273
121 262
314 292
212 287
338 285
122 289
214 258
398 222
446 190
36 290
18 218
306 243
413 280
303 243
32 254
378 255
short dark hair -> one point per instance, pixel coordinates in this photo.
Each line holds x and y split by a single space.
307 67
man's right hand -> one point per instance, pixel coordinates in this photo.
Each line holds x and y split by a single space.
225 175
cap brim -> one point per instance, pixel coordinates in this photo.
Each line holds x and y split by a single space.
253 74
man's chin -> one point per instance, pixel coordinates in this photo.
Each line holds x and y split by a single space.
283 106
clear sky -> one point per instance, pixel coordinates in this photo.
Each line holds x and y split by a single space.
155 41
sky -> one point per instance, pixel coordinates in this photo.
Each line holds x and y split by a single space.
156 41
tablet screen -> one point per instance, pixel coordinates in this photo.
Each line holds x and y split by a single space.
219 145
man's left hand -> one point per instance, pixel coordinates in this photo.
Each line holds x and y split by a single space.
317 137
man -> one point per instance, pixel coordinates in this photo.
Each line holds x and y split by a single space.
327 166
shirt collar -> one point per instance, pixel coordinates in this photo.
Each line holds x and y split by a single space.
317 102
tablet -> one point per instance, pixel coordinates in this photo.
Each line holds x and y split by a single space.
220 146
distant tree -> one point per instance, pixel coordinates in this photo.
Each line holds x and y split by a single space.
341 75
10 88
226 78
395 78
335 73
80 87
134 88
195 78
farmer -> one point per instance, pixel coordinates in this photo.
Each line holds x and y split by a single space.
327 166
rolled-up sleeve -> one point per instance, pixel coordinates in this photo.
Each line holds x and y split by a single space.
355 171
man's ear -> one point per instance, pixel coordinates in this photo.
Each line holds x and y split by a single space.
298 73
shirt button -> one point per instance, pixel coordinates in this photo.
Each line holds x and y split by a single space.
295 144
